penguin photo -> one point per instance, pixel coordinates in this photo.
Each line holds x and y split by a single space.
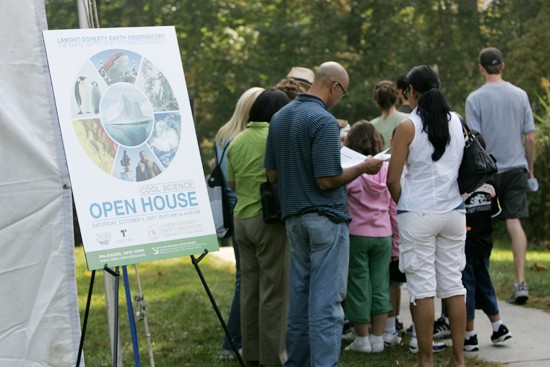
95 97
82 95
77 95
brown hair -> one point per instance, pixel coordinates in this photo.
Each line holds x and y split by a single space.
385 94
290 86
364 138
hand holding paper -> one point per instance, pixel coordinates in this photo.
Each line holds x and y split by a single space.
350 158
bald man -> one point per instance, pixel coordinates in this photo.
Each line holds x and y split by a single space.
303 158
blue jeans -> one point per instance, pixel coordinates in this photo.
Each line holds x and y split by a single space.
234 321
479 287
319 257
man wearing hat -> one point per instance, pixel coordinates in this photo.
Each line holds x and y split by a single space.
501 112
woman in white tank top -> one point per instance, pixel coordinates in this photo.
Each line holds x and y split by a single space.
431 215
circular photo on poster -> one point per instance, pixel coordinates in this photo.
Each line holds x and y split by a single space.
125 115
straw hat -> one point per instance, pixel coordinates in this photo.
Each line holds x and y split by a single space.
301 74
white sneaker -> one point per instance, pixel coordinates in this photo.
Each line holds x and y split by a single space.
354 346
392 339
376 343
436 346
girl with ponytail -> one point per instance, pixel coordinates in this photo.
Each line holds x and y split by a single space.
431 213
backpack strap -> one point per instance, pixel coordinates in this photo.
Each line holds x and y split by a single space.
218 161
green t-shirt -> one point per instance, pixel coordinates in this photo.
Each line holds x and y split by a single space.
386 125
245 166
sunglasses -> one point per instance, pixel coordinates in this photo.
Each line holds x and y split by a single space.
406 92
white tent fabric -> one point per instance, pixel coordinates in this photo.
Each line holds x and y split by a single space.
39 320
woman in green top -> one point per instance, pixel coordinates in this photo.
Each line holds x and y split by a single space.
385 97
263 247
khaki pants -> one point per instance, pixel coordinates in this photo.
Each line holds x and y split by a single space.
264 255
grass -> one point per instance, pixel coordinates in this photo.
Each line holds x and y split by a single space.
186 332
537 274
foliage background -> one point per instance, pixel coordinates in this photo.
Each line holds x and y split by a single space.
228 46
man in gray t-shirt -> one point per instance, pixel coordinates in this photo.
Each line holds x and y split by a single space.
501 113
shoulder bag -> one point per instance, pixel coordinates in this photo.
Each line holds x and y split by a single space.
477 165
219 201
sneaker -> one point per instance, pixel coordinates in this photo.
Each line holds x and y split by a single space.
392 339
442 330
471 345
347 327
501 335
409 330
350 335
520 294
436 346
376 343
354 346
229 355
398 324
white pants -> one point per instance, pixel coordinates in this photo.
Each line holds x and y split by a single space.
432 253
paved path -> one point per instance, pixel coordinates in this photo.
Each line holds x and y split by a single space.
530 343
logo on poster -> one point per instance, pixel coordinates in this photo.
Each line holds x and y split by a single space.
103 238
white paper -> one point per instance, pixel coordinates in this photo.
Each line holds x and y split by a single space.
383 155
350 157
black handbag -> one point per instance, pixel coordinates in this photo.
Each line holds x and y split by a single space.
477 165
271 207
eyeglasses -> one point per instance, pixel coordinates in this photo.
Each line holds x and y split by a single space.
345 92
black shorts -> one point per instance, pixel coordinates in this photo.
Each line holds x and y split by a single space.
396 276
511 187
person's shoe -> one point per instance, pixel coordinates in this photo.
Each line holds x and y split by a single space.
376 344
392 339
350 335
470 344
354 346
436 346
442 330
398 324
229 355
409 330
347 327
501 335
520 294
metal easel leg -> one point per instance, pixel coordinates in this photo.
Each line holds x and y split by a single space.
195 262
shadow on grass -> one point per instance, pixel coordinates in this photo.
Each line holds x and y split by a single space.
184 328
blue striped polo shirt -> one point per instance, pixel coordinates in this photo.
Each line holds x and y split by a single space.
304 143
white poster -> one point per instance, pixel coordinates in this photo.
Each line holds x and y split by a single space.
131 145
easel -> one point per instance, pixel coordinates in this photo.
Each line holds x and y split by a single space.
116 274
220 317
87 312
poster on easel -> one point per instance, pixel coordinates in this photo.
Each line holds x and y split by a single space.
131 145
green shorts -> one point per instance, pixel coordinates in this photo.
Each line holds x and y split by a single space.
368 278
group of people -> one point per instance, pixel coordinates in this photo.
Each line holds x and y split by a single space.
351 235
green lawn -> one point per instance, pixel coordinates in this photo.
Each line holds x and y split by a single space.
186 332
537 273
